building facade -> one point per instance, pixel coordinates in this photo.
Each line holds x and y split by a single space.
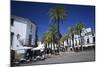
22 33
87 39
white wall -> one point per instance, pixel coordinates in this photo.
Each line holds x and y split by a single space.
90 39
18 28
30 31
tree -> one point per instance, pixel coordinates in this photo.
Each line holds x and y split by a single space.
53 31
72 31
57 14
79 28
65 37
47 38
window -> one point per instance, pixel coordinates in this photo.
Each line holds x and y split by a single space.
31 28
88 41
12 22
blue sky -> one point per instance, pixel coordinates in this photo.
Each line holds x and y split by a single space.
38 12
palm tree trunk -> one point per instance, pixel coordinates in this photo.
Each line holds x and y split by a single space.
58 34
58 21
67 45
54 48
51 47
73 41
63 43
70 43
47 45
46 48
81 42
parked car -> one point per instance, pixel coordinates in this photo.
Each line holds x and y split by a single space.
38 54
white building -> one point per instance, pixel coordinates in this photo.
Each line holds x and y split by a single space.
22 33
88 38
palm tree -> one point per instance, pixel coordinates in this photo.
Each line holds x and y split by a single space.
65 37
47 38
57 14
79 28
53 31
72 32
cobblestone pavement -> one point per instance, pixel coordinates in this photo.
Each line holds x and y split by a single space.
66 57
